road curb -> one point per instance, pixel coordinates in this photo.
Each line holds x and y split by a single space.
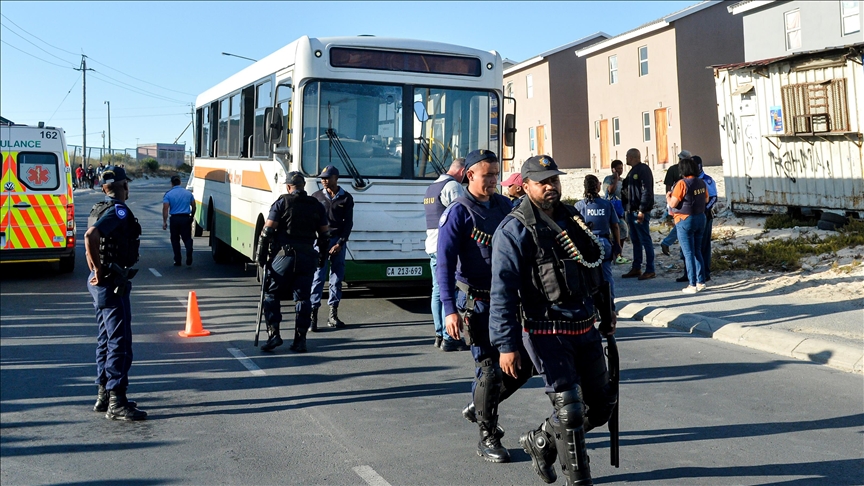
840 356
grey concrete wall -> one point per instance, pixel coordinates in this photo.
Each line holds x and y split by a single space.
711 36
821 27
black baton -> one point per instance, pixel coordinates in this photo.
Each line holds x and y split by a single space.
264 280
614 376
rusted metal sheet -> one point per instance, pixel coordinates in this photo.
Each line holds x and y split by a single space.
778 144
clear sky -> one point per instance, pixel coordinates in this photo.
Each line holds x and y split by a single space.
152 59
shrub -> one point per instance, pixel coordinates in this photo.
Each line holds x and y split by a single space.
185 168
778 221
150 164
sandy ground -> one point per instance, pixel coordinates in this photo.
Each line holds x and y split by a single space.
834 277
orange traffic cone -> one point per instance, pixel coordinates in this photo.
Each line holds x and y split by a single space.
193 319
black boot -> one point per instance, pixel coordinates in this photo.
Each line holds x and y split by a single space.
540 445
102 401
334 321
470 414
314 326
489 447
573 455
119 408
275 339
299 344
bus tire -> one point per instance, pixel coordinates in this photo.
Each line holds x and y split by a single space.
197 230
826 225
67 265
835 218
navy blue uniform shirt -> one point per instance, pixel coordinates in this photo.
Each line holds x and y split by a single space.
513 260
278 207
459 255
599 213
112 217
340 212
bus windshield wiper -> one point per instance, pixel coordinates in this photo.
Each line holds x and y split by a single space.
430 155
343 156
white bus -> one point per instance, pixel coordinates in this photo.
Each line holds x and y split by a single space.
390 114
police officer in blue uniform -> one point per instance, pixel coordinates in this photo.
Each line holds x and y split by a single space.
286 248
339 208
111 244
464 263
438 196
179 204
546 274
603 220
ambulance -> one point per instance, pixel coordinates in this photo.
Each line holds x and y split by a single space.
37 212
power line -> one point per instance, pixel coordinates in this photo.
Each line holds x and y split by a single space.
35 57
64 99
40 40
133 77
34 45
138 91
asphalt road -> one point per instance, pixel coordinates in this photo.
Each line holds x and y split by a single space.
373 403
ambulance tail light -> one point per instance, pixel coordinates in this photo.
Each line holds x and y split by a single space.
70 225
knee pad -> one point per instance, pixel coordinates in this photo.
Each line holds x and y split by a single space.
488 391
569 406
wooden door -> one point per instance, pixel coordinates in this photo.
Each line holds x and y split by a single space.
541 137
661 123
604 144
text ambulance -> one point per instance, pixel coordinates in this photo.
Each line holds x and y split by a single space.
37 215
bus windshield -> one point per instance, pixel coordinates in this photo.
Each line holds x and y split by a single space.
367 120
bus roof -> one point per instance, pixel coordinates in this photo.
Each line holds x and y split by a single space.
286 56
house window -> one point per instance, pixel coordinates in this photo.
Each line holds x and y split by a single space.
851 19
529 82
643 61
646 126
815 107
613 69
509 92
531 139
793 29
597 130
668 117
616 132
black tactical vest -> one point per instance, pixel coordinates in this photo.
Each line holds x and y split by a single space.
301 218
560 278
122 244
432 205
486 221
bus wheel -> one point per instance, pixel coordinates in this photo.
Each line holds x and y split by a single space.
67 265
197 230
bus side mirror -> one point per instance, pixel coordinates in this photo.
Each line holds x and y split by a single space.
509 130
273 118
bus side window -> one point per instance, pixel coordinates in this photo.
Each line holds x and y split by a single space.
247 121
283 93
263 100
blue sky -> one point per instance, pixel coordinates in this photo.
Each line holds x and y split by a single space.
153 58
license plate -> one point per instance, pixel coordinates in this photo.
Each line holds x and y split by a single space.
404 271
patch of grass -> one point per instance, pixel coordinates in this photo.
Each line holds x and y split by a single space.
782 255
779 221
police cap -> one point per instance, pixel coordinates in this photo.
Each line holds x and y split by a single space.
477 156
540 168
328 172
295 178
113 174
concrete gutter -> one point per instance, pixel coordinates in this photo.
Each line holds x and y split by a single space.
785 343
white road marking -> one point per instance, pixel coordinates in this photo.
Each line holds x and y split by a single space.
184 303
252 367
155 272
370 476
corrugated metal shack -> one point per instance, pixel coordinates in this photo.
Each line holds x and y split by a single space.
790 131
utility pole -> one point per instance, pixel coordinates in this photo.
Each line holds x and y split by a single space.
109 127
84 70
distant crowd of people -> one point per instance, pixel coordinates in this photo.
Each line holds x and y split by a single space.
89 177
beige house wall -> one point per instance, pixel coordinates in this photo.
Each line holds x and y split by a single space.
633 94
530 112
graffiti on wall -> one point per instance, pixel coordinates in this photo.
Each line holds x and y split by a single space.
792 163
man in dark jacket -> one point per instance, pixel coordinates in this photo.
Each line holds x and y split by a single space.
639 186
339 206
